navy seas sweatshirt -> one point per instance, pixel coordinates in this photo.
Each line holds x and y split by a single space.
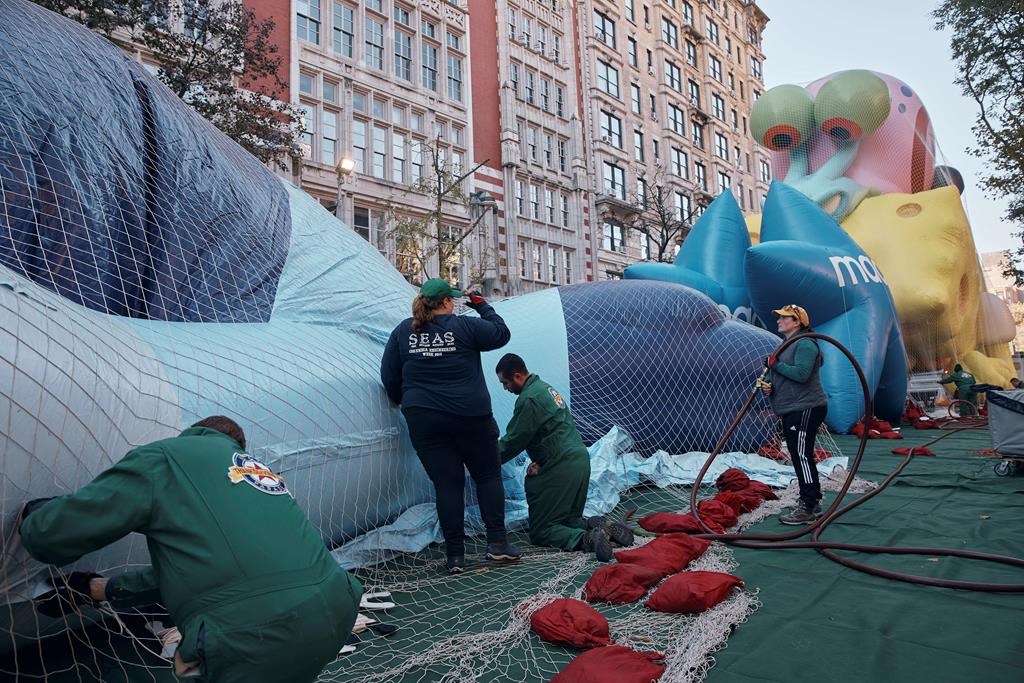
439 368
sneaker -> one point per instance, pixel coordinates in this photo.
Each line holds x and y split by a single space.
597 541
801 515
502 552
456 564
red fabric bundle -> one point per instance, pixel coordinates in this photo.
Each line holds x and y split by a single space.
673 522
877 429
612 664
619 584
761 489
916 450
666 554
717 511
925 423
733 479
570 622
692 592
739 501
773 450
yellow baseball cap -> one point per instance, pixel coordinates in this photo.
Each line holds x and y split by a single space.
794 311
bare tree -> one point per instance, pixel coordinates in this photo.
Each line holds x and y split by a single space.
430 239
658 218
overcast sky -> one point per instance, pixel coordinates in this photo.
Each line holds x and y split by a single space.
806 40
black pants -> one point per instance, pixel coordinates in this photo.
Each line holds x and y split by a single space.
800 429
447 445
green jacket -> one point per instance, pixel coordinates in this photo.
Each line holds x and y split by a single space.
963 380
220 526
541 425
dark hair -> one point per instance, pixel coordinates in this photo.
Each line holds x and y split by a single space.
958 368
423 310
224 425
510 364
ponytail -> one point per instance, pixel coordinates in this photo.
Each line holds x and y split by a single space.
423 311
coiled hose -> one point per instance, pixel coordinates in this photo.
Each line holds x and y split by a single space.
835 510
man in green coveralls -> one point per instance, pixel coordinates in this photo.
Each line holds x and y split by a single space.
559 473
963 381
243 574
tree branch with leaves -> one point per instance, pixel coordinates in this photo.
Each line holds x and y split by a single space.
988 47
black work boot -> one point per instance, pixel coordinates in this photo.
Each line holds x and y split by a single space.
618 532
597 541
502 551
456 564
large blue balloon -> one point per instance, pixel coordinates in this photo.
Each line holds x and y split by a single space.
806 258
711 259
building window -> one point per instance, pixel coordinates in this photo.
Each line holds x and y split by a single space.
633 59
531 143
401 15
676 119
537 265
416 162
359 145
560 100
611 129
542 39
670 33
691 54
641 191
694 93
697 131
380 108
549 204
428 29
520 198
330 92
454 41
608 78
545 94
700 175
329 137
344 29
613 275
683 207
614 180
513 77
552 265
688 13
397 157
530 86
526 30
557 52
534 203
455 78
567 266
724 182
429 68
374 43
715 68
657 149
604 29
630 10
306 82
563 162
634 96
680 163
721 146
765 171
513 18
673 76
638 145
380 151
403 55
718 106
524 265
612 237
755 68
361 221
564 203
308 126
548 152
712 31
307 20
375 5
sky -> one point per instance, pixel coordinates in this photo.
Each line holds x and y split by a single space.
807 40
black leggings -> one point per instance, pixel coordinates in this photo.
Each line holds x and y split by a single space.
447 445
800 429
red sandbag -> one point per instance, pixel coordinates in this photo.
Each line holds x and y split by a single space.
570 622
673 522
612 664
620 584
916 450
925 423
761 489
667 554
692 592
733 479
890 435
717 511
877 429
739 501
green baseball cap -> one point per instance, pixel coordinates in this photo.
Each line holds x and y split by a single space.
438 288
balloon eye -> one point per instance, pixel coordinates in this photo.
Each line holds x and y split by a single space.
782 137
842 129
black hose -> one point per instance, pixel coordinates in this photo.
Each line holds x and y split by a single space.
834 511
